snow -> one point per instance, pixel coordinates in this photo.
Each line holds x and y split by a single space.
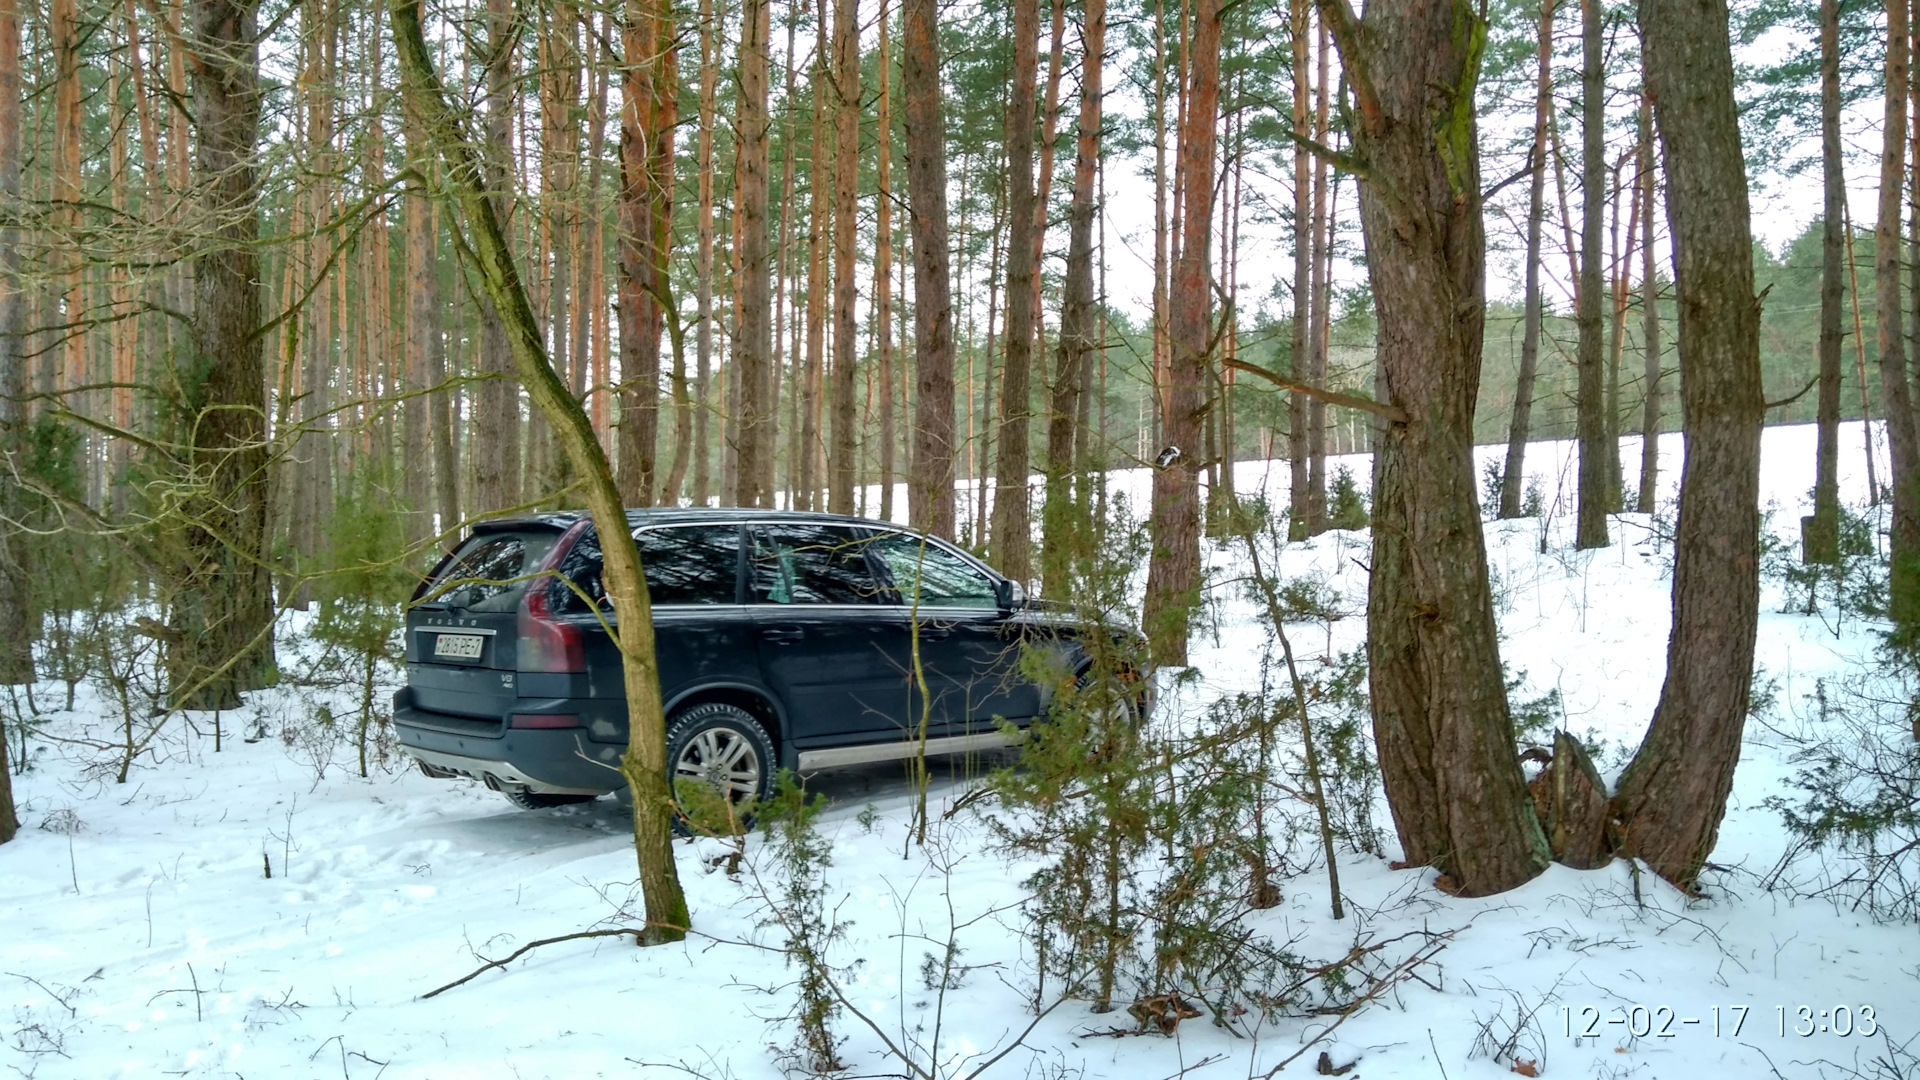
140 935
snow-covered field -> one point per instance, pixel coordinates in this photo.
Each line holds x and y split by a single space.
140 935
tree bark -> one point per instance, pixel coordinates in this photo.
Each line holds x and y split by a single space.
1649 319
646 235
753 346
846 173
645 764
1445 737
494 449
807 453
222 614
1895 390
1012 523
710 28
883 260
1301 340
930 472
1590 528
1061 514
1672 796
1513 480
1322 284
16 648
1173 568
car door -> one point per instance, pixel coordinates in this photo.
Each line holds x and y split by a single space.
823 636
969 648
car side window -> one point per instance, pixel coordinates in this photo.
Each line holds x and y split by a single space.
691 564
811 564
929 575
694 564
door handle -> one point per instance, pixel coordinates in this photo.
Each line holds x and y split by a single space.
783 633
935 633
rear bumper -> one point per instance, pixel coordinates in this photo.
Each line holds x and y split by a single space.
555 762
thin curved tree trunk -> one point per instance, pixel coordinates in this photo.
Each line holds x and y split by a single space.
645 763
1673 795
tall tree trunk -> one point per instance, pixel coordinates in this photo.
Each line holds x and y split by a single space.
846 173
1173 570
1895 390
16 650
1649 319
930 472
646 232
1301 341
494 450
420 428
883 261
1621 282
1065 506
786 333
645 763
1590 528
1513 476
752 353
1321 276
221 619
1441 723
711 21
819 239
1012 526
1672 796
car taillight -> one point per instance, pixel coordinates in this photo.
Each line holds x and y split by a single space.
546 643
543 720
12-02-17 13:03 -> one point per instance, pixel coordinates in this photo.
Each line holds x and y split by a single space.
1661 1022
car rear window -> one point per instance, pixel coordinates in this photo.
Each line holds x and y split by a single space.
490 571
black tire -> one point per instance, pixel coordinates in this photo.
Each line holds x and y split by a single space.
726 747
540 800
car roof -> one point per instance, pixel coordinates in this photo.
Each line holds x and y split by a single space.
681 515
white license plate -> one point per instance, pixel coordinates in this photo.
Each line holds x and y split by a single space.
458 646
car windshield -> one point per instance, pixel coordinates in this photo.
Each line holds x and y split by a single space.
489 573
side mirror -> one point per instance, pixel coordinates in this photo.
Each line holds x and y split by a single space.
1010 595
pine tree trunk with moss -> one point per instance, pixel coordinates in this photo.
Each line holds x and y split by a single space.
1441 721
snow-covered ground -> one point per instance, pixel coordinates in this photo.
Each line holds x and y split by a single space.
140 935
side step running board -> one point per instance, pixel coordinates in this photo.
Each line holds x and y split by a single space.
837 756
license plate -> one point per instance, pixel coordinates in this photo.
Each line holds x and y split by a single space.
458 646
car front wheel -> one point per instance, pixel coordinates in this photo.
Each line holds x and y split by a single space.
720 762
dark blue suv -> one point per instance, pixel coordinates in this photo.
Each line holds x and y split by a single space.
783 639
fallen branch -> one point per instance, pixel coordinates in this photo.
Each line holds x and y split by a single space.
638 933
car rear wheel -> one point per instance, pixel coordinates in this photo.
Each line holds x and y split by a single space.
723 749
